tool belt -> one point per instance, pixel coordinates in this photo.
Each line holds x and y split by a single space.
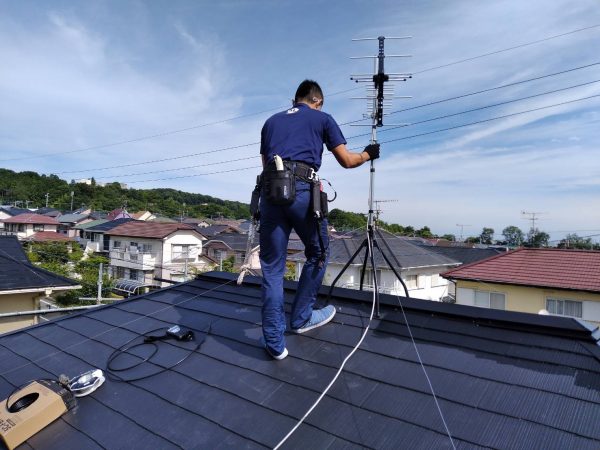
279 188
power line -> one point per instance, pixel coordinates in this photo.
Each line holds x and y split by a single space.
153 136
516 83
167 133
507 49
362 135
181 168
480 108
384 142
491 119
189 155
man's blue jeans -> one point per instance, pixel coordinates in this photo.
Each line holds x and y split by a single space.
276 223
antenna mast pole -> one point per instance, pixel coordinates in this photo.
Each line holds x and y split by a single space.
377 95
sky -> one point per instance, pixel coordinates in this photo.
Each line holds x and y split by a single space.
174 94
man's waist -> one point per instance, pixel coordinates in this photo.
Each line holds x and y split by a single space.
298 168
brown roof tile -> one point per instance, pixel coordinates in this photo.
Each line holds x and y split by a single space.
32 218
154 230
551 268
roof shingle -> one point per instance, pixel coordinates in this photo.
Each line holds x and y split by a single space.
540 267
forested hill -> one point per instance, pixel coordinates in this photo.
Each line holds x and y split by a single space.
32 187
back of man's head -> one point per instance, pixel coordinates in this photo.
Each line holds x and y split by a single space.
309 91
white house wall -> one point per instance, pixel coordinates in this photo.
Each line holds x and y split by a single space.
387 281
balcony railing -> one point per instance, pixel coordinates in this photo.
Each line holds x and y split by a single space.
139 260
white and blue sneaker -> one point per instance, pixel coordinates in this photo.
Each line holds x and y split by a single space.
278 357
319 317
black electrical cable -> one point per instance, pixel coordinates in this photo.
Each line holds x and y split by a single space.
149 339
24 402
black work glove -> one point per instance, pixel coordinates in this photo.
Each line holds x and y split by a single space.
372 150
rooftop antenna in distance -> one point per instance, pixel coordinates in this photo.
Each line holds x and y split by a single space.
379 96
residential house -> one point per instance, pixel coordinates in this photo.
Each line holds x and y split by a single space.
535 280
68 222
119 213
24 286
213 230
26 224
418 267
462 255
226 245
7 211
143 215
428 376
152 253
92 235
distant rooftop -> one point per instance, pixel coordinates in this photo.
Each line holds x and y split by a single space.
540 267
33 218
155 230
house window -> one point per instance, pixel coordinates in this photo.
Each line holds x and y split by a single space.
135 274
568 308
180 251
21 227
486 299
116 244
38 227
146 248
120 272
411 281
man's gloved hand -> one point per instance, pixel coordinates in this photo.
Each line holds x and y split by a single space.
372 150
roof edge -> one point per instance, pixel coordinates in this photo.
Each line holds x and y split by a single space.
518 321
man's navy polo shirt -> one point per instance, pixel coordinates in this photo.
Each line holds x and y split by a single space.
298 134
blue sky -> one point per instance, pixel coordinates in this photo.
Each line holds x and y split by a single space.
80 75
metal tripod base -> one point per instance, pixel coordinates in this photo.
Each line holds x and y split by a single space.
369 256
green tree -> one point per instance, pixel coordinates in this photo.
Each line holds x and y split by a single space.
228 264
513 236
425 232
572 240
449 237
537 238
487 236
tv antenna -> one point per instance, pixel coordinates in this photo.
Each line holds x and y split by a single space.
379 96
378 209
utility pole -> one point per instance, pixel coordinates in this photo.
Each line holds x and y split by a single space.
462 228
99 297
72 194
378 210
532 216
47 195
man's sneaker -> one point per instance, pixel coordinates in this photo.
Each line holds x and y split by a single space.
319 317
279 357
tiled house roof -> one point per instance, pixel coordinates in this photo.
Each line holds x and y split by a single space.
36 219
502 379
152 230
539 267
17 273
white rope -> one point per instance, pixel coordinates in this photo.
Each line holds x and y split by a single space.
314 405
426 375
245 268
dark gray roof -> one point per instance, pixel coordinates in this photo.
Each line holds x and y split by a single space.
465 255
213 230
107 226
13 211
402 253
502 379
71 218
16 272
237 242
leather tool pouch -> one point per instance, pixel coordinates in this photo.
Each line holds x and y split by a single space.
279 186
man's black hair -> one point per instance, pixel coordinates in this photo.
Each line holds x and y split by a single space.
308 91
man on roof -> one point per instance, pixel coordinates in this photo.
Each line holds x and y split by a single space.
291 149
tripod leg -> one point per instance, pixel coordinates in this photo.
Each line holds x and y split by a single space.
364 266
392 267
362 245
